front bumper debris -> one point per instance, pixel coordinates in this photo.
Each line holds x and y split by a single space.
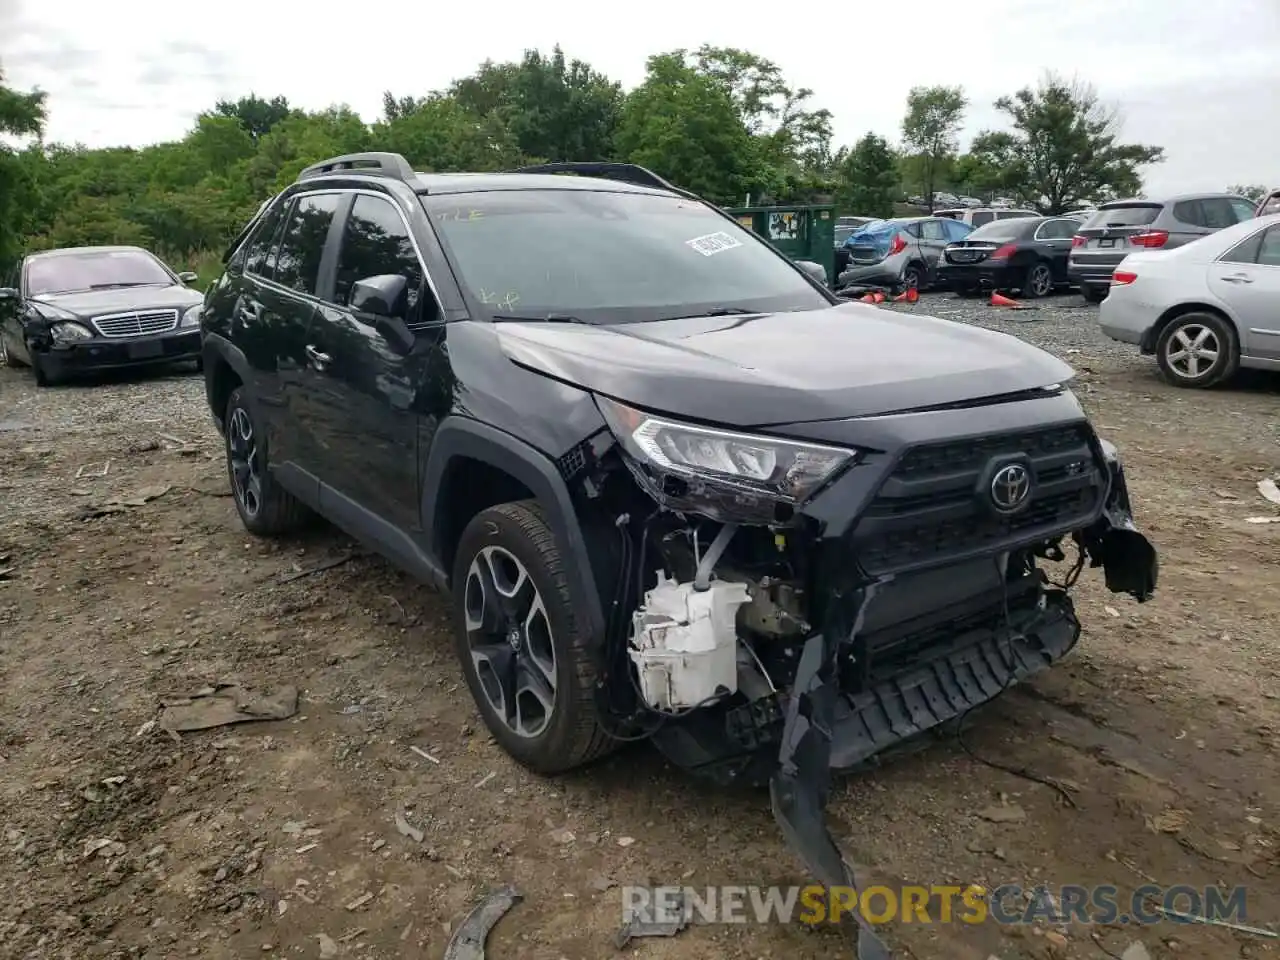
826 729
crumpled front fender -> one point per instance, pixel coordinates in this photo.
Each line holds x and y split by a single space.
1128 559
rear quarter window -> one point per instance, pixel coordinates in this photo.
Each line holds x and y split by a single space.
986 216
1126 215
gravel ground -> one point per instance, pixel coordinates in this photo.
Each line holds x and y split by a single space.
126 580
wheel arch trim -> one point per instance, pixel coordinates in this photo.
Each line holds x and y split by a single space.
461 438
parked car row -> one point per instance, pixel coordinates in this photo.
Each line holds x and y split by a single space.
989 248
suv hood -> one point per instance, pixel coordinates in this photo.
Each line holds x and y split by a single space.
848 360
91 303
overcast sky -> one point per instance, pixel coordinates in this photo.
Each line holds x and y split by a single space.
1198 79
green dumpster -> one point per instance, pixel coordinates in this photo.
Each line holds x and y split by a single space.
801 232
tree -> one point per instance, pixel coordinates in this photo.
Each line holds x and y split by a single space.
1254 191
930 130
557 109
1063 150
791 138
256 116
684 125
868 178
21 115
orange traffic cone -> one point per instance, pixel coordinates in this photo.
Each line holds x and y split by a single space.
999 300
879 297
910 295
867 298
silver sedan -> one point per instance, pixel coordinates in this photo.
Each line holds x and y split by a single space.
1204 309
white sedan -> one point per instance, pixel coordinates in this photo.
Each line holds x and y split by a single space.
1204 309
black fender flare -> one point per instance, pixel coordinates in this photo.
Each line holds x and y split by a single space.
460 437
215 349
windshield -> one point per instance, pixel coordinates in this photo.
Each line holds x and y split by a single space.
95 270
610 257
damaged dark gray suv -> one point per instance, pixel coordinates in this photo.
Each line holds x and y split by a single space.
677 489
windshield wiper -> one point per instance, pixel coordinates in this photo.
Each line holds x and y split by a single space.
717 312
545 318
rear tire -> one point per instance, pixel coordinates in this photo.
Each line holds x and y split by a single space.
912 276
1038 282
266 509
516 660
1198 350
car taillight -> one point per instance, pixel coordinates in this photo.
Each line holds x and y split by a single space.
1153 238
1122 278
1004 253
1078 241
899 244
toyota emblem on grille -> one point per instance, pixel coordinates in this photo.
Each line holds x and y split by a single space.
1010 487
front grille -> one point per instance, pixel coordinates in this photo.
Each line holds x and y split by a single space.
136 324
935 506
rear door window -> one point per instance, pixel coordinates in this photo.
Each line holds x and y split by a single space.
1218 213
302 245
1269 252
1057 230
932 230
1127 215
957 230
258 249
1190 211
1246 251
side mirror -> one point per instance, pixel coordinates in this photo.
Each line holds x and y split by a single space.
815 270
382 302
8 293
188 277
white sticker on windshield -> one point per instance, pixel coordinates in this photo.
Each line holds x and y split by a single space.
713 243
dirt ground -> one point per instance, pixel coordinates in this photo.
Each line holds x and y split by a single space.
279 838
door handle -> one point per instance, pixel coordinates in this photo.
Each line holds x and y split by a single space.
318 360
1238 278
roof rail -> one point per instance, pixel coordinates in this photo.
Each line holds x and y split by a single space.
378 164
626 172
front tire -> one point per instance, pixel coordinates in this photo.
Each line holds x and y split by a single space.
39 372
523 643
266 509
1198 350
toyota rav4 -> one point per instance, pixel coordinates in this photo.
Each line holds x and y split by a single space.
677 489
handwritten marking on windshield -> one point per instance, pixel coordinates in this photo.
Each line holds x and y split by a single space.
713 243
462 215
494 299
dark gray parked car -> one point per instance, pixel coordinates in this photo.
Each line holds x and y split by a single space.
1123 227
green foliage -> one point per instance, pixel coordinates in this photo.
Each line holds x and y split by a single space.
1064 149
868 179
21 114
683 124
930 132
719 121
